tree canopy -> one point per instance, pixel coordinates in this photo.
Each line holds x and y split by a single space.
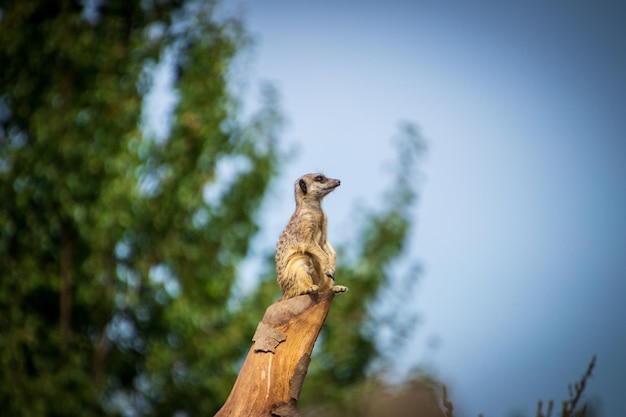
118 250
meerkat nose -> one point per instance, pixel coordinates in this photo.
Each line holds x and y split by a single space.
338 182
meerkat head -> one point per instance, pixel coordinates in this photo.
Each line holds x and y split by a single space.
314 187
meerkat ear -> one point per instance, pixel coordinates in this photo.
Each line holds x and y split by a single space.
303 186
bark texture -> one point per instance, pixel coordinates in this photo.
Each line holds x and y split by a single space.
271 378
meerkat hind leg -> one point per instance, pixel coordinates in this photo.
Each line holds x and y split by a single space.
304 277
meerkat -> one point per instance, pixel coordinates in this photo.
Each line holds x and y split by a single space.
305 260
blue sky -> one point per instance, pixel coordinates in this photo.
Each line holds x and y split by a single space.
521 223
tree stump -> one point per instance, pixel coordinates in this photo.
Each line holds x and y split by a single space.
271 378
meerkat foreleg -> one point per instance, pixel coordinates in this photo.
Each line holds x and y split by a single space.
328 257
322 258
332 260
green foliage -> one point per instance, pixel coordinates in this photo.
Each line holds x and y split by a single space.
115 270
119 252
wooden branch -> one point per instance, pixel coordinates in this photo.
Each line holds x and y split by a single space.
271 378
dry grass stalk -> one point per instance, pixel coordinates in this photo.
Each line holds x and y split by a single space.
575 393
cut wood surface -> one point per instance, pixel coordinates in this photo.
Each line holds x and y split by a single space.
271 378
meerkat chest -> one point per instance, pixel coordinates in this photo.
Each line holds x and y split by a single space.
313 226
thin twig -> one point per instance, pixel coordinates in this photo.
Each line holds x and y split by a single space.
447 403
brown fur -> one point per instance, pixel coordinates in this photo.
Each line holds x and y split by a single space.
305 260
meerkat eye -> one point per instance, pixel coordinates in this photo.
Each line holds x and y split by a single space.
319 178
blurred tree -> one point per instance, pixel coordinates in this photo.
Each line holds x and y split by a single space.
115 270
119 251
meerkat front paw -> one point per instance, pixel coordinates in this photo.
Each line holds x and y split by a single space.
339 288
